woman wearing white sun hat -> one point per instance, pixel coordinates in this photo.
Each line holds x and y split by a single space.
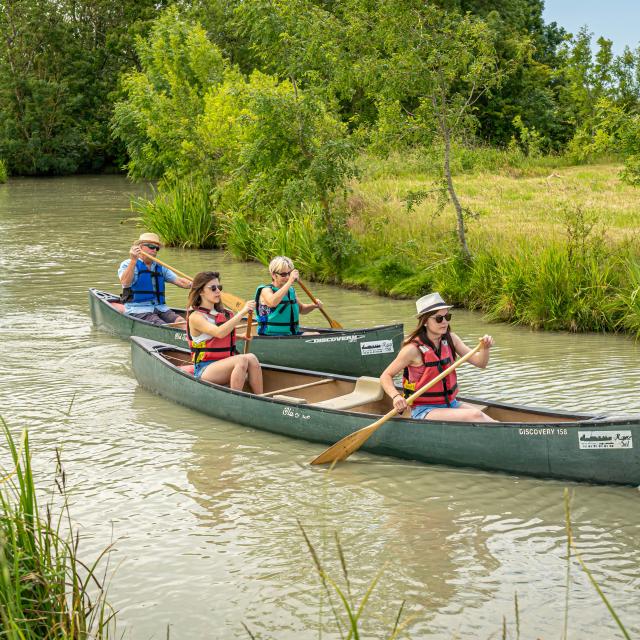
429 350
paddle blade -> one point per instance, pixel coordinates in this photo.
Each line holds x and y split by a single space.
342 449
334 324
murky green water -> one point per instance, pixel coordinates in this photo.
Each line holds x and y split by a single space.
204 514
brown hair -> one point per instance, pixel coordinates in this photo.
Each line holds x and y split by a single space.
421 332
198 284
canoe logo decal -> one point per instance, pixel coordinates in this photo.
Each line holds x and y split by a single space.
292 413
376 346
605 439
180 335
349 338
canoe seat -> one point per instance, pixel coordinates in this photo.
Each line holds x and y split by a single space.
188 368
367 390
290 399
118 306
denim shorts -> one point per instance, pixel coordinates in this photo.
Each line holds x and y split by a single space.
199 367
422 410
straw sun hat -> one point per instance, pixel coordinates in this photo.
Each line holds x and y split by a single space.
150 237
431 302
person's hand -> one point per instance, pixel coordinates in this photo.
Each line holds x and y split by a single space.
293 276
134 252
249 306
399 403
487 342
318 303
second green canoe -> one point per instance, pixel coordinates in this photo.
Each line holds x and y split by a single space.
358 352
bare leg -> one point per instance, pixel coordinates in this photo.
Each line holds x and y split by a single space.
464 413
255 373
221 372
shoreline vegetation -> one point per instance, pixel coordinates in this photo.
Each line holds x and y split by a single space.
47 592
554 244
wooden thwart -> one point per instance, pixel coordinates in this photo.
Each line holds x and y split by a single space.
300 386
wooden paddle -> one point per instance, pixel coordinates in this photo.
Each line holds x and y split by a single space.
247 335
228 299
345 447
334 324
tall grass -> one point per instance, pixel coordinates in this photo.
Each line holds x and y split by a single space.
182 214
46 591
4 172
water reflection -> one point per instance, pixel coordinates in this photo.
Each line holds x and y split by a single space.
204 513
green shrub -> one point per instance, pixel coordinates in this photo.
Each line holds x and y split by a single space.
182 214
4 173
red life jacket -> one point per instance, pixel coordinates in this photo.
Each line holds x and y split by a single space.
434 363
213 348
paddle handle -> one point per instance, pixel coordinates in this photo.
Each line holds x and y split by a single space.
247 335
334 324
351 443
164 264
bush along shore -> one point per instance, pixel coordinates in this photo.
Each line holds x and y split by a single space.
47 592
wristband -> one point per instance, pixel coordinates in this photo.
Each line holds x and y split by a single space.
394 397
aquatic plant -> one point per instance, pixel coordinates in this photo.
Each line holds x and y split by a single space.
46 591
181 213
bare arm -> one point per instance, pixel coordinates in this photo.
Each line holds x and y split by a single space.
199 324
274 298
183 283
127 275
409 356
479 359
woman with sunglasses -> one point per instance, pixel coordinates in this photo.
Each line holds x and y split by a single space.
211 333
278 308
143 281
428 351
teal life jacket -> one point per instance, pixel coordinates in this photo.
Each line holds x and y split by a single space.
281 320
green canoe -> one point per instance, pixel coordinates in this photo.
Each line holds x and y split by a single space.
324 408
348 351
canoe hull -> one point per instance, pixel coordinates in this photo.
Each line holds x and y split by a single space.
598 452
363 352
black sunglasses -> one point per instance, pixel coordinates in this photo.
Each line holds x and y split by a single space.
215 287
155 247
439 319
284 275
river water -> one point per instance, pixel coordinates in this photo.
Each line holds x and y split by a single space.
204 514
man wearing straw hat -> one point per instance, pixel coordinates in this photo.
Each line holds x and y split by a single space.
143 281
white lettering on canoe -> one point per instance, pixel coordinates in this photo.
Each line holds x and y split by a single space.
180 335
376 346
605 440
349 338
542 431
294 413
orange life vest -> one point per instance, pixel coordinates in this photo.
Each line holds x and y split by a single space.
434 363
213 348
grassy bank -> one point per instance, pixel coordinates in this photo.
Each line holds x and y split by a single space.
555 245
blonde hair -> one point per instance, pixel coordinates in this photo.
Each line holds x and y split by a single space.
277 264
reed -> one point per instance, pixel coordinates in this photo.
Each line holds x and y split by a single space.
46 591
181 213
4 172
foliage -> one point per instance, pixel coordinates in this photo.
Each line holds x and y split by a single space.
4 174
157 121
182 213
59 66
46 591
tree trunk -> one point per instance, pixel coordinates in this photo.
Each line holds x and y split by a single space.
452 192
